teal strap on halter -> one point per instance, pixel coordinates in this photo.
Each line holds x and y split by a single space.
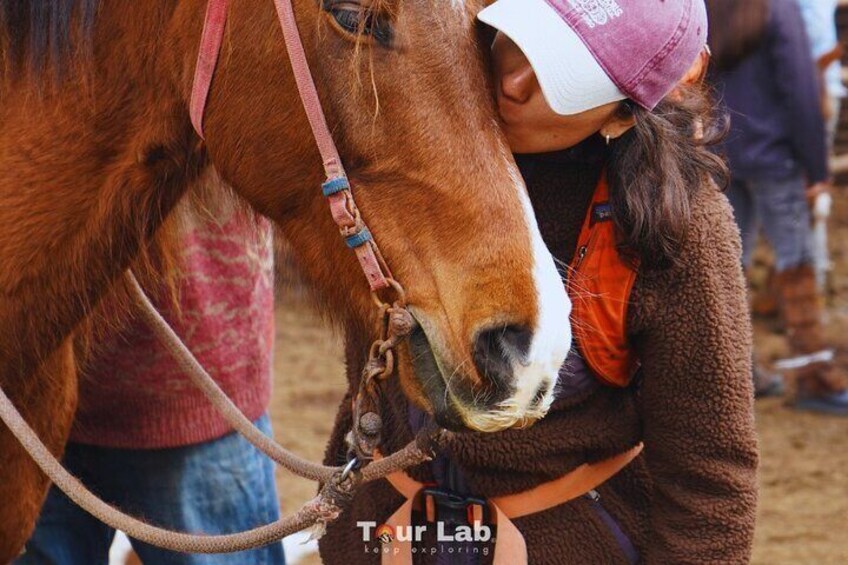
358 239
335 185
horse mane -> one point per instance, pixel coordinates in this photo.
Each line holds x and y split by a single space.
37 35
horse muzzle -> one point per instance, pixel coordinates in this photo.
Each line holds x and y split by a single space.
496 387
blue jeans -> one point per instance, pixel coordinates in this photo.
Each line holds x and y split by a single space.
221 486
780 208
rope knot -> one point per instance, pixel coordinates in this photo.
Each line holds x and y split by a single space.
336 495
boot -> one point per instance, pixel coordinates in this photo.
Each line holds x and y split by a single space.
815 383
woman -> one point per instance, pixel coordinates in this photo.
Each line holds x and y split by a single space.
601 97
778 156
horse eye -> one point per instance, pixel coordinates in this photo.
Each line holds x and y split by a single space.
359 21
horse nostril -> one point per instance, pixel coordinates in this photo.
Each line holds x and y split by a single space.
496 351
516 340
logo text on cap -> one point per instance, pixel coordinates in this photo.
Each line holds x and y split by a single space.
597 12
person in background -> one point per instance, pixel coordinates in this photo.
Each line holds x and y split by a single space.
777 153
150 443
819 19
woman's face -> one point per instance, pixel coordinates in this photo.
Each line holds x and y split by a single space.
530 124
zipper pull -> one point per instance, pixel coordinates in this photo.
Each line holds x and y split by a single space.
581 253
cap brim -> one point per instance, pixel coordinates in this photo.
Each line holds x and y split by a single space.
571 79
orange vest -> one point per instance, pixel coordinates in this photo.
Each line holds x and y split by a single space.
599 285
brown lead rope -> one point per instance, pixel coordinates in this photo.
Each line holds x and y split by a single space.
317 510
320 510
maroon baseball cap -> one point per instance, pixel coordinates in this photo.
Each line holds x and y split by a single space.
587 53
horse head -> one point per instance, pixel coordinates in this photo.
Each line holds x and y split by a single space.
405 87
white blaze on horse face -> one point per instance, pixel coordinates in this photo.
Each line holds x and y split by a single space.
551 336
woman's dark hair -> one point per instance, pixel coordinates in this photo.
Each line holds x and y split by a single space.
737 28
656 169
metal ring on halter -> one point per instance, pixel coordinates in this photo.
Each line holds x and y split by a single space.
352 465
401 294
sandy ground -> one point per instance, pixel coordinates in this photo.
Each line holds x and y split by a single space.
803 513
309 385
804 469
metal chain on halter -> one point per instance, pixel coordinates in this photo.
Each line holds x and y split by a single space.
395 323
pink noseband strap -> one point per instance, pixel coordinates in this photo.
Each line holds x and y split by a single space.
337 188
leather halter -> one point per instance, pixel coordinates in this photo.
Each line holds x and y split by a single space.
337 188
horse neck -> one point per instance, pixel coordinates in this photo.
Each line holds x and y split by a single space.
87 179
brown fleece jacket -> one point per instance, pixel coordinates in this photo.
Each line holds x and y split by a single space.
691 496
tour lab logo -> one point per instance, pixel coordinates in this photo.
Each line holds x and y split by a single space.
415 533
385 534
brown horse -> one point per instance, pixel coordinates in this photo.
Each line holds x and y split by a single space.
96 148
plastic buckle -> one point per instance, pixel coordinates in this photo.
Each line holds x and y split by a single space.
454 509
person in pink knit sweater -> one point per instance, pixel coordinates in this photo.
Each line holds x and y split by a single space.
147 441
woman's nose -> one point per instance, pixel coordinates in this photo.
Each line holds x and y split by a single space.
518 84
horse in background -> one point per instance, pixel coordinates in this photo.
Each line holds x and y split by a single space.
97 148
